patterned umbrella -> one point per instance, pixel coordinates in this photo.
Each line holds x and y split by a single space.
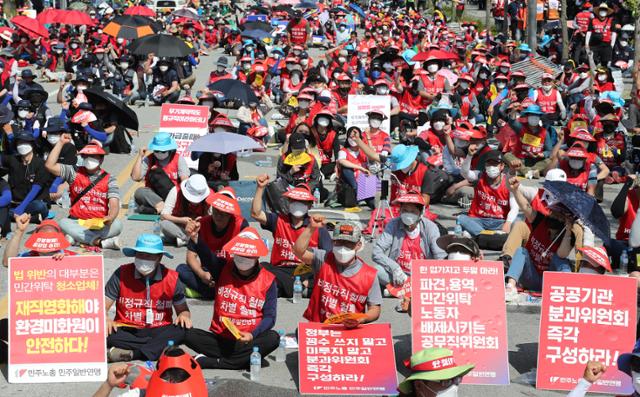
129 27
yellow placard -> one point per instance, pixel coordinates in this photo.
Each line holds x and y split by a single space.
579 124
293 102
297 159
93 223
258 80
301 269
339 318
231 327
531 140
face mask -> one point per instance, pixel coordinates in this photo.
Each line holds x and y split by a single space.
409 218
161 156
244 263
482 75
375 123
298 209
584 75
462 144
119 40
145 266
276 56
602 77
432 68
624 43
24 149
351 142
90 163
602 14
451 391
458 256
375 74
500 85
635 378
533 121
81 87
288 66
464 86
589 270
23 114
323 122
412 234
382 90
53 139
74 46
221 69
343 254
295 80
547 87
493 171
163 68
342 60
124 65
303 104
576 164
504 70
438 125
304 62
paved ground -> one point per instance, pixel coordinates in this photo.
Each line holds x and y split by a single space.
281 379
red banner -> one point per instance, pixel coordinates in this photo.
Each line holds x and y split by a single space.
335 360
186 123
460 305
585 317
56 320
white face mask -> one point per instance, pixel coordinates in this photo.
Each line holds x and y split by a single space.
161 156
302 104
576 164
464 85
342 60
295 80
304 62
438 125
602 14
413 233
584 75
500 85
221 69
90 163
53 139
458 256
124 65
323 122
81 87
624 43
602 77
451 391
163 68
409 218
145 266
635 380
352 142
298 209
24 149
432 68
74 46
493 171
482 75
547 87
343 254
533 121
119 40
382 90
23 114
244 263
375 123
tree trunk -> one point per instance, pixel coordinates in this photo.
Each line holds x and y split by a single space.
636 54
9 8
532 26
565 31
505 23
487 17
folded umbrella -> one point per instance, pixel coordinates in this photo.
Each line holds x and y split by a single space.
581 205
224 143
140 10
234 89
125 116
129 27
163 45
30 26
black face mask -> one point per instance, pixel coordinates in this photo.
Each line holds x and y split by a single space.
521 95
608 128
555 224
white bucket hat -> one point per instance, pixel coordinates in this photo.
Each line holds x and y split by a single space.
195 188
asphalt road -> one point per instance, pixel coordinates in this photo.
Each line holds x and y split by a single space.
280 379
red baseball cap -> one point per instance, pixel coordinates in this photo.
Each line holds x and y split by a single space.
92 149
247 243
299 193
596 256
47 241
410 198
582 134
224 203
222 120
577 151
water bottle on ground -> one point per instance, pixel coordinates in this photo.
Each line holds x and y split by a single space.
316 196
65 200
132 206
623 270
255 364
457 229
156 228
297 290
281 353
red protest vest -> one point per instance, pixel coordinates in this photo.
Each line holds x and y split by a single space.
582 20
411 104
488 202
609 148
410 250
326 147
239 300
548 103
171 168
538 243
359 160
603 27
95 203
377 141
411 183
335 294
184 207
214 242
435 86
132 304
532 143
283 239
580 178
628 217
299 32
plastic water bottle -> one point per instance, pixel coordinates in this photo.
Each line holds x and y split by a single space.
457 230
281 353
297 290
156 228
316 195
623 270
255 364
132 206
65 200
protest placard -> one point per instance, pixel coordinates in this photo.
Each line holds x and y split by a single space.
460 305
359 105
56 320
335 360
585 317
185 123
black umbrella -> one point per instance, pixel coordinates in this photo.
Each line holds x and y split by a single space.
186 13
257 25
581 205
284 8
163 45
392 57
306 4
124 114
36 96
234 89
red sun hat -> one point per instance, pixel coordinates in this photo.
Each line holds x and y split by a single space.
221 120
224 203
597 256
229 192
247 243
582 134
577 151
479 132
47 241
411 198
462 133
92 149
299 193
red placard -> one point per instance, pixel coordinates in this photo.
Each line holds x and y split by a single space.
585 317
56 320
460 305
335 360
174 115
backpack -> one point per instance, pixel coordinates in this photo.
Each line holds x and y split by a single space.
122 140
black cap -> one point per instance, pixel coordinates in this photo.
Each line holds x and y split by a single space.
56 124
297 141
85 106
23 103
493 155
452 243
26 73
24 136
6 115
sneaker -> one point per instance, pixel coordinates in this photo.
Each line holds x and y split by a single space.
112 243
466 234
116 355
180 242
464 202
386 293
192 293
510 293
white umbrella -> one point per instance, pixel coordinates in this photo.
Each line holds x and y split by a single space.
224 143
